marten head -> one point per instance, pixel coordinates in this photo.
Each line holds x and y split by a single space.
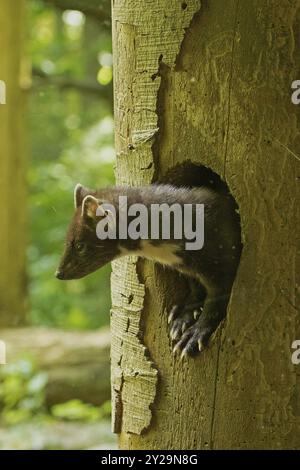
84 252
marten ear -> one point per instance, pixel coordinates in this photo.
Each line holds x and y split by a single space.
91 207
79 194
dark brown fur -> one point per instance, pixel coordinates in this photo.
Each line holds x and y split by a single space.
213 267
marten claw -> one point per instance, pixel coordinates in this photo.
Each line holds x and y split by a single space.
174 332
182 318
179 326
194 340
197 313
183 355
173 314
176 348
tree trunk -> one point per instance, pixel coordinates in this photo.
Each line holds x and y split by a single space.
12 168
210 84
76 363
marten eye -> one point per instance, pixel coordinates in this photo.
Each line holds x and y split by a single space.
80 247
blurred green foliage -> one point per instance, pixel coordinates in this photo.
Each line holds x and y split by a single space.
22 398
70 140
22 391
76 410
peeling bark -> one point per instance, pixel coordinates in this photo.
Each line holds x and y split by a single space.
148 37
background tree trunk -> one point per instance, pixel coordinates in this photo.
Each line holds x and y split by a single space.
12 168
210 83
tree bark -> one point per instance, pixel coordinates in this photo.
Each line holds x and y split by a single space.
12 168
76 363
210 83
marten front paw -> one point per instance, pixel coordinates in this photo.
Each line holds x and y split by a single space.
194 339
182 317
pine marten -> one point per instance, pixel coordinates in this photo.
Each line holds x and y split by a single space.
211 268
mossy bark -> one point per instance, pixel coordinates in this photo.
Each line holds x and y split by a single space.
210 82
12 168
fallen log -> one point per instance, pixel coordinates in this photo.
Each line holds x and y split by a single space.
77 363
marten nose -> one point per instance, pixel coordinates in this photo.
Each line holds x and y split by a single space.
59 274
